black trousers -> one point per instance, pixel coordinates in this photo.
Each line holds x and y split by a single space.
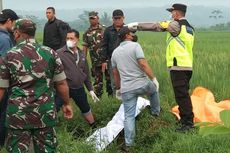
180 82
80 98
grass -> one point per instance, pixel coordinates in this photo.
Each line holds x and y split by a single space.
157 135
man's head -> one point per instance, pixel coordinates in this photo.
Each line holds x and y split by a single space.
24 29
118 18
50 13
178 11
7 18
93 18
126 34
72 38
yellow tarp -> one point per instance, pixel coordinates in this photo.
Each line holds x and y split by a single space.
205 108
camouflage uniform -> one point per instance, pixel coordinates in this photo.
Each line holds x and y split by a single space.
92 40
30 70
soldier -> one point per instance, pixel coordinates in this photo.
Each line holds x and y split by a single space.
55 30
7 19
91 41
31 71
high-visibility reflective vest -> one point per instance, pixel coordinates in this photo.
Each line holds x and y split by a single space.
179 48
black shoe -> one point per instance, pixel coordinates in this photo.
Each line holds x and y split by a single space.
185 128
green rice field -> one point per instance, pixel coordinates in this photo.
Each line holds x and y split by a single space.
157 135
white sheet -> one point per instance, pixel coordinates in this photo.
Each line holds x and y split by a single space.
104 136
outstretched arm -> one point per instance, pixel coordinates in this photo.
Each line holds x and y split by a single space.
172 27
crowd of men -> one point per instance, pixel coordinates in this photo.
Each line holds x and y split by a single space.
36 81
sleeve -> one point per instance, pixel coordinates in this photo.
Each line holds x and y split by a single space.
59 73
174 28
4 73
139 52
87 82
104 45
85 40
5 45
63 29
113 61
150 26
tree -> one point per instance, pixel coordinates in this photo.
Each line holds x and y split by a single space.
105 19
84 18
216 14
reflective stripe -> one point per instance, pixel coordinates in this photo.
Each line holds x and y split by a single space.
169 40
180 42
177 39
180 68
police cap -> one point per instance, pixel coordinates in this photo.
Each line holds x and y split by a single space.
180 7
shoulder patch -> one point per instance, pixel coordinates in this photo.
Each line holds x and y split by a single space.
189 30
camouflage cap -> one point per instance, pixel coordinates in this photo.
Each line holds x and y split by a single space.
93 14
25 25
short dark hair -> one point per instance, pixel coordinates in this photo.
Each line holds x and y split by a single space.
51 8
77 34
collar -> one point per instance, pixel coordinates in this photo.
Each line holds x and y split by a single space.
72 52
4 31
31 40
113 27
52 20
183 18
125 42
96 27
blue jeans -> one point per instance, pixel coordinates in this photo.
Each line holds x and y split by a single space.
129 100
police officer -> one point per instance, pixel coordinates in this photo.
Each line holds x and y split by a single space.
91 41
31 71
55 30
179 58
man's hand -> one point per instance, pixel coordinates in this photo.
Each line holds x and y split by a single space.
118 94
156 83
104 67
94 96
67 111
132 26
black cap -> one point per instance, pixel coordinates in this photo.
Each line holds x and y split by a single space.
8 14
180 7
123 31
118 13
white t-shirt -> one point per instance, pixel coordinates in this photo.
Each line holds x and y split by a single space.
125 59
